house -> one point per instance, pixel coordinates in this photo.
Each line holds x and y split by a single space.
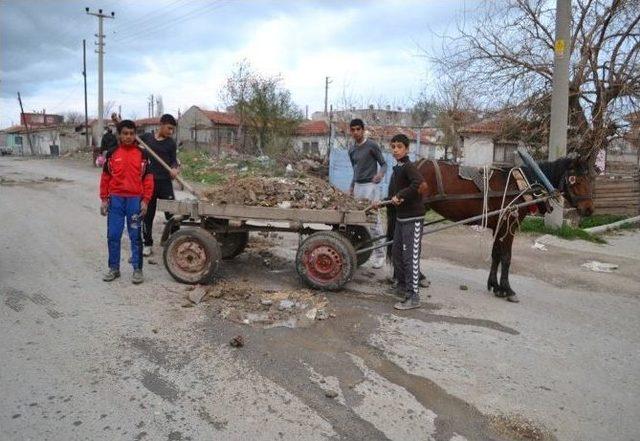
208 130
483 143
370 115
147 125
45 140
312 138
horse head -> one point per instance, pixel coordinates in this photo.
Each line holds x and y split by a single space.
577 185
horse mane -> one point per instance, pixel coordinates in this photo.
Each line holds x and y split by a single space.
553 170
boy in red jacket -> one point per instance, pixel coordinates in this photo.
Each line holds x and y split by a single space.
126 186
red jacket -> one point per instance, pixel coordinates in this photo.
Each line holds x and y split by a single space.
126 173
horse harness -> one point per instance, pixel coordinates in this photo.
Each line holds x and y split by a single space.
441 195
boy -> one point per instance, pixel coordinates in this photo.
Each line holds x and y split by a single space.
163 144
405 190
126 186
365 156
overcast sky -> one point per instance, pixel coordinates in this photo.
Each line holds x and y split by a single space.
184 50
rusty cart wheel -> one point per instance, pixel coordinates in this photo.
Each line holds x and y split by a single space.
326 260
192 255
357 235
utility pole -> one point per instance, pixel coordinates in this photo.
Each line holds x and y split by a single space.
24 120
560 97
86 109
151 109
326 94
560 94
100 52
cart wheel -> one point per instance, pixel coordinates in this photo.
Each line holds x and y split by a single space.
192 255
326 260
232 244
357 234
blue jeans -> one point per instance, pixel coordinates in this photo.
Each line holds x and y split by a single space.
121 208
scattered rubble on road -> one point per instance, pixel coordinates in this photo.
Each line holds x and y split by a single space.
600 267
47 179
237 341
242 302
311 193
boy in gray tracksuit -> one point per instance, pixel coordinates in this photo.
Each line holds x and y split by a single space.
404 192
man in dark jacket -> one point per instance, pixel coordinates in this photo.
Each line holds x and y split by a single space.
405 193
163 144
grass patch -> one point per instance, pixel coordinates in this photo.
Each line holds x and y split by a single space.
536 225
198 167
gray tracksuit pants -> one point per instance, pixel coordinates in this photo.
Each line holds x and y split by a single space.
407 240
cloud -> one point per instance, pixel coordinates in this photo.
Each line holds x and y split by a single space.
184 51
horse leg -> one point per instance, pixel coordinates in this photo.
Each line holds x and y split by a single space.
505 261
492 282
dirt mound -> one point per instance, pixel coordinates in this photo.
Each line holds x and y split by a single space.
242 302
310 193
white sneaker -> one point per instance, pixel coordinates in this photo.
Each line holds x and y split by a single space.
147 251
378 262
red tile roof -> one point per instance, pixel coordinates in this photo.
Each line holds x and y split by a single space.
147 122
312 128
222 118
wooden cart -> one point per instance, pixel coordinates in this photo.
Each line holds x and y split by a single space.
200 234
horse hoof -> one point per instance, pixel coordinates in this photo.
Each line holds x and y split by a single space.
513 299
498 292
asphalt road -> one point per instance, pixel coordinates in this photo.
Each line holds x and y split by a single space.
83 359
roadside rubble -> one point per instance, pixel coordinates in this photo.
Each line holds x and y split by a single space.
313 193
242 302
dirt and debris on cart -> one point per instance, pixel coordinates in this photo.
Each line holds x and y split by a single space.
243 302
311 193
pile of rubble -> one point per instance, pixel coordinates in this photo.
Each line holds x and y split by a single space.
312 193
242 302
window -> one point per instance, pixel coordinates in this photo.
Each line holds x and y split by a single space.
314 147
432 152
503 152
18 140
305 147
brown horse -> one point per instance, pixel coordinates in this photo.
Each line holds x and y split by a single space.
456 199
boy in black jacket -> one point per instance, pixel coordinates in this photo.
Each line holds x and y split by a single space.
404 192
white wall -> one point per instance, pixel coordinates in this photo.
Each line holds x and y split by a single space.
191 118
323 143
477 150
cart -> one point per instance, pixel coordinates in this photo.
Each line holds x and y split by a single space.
200 234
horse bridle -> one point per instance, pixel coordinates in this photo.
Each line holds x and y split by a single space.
569 179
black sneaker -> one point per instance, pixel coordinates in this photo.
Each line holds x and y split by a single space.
111 275
411 303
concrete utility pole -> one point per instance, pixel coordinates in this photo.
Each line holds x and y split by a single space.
100 52
560 94
560 98
326 94
86 109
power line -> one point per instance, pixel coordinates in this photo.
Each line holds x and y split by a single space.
132 26
181 19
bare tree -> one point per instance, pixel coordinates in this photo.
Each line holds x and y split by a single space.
507 56
235 94
73 117
108 108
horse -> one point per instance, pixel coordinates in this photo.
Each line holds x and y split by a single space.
456 199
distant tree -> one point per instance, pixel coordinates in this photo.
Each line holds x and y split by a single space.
506 56
73 118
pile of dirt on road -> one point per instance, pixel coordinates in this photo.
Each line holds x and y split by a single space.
310 193
243 302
